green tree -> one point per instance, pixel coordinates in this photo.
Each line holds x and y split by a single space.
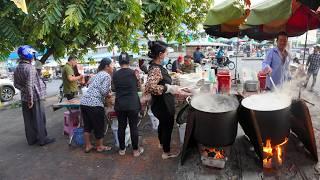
75 26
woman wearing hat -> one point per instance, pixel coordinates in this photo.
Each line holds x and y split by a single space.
92 106
127 104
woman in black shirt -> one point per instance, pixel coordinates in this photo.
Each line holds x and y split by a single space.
127 104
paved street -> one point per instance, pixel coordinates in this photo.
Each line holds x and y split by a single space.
52 88
59 161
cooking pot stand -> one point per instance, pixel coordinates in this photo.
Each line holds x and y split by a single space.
188 140
301 125
300 121
183 114
251 129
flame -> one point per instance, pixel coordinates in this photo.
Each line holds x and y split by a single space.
219 154
270 152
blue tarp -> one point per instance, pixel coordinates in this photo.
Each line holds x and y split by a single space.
13 55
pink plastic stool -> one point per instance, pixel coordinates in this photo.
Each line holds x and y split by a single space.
71 121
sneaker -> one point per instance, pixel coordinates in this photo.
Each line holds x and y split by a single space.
137 153
169 155
122 152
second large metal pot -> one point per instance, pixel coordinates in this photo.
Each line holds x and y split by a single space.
270 124
214 129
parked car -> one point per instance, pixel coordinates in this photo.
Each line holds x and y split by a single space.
7 90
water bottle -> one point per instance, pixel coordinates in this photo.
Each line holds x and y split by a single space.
213 75
210 76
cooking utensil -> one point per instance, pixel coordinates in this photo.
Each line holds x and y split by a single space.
307 102
273 124
251 86
272 82
213 129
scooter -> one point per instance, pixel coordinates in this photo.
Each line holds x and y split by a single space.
225 62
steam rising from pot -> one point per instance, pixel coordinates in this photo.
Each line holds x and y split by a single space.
214 103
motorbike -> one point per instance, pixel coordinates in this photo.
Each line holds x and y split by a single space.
226 62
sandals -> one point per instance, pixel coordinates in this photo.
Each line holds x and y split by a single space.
138 152
89 150
122 152
169 155
105 149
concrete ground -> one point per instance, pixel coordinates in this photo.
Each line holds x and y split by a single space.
59 161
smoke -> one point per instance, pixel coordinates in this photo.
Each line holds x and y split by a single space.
214 103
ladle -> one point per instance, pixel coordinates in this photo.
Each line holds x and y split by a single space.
272 82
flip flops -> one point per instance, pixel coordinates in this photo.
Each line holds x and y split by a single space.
105 149
89 150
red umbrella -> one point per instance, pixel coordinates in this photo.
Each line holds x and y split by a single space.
302 19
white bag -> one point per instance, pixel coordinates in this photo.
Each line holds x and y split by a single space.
153 119
114 127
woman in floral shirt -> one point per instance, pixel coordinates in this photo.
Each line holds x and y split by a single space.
163 101
92 106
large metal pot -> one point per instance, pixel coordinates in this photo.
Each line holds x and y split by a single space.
270 124
214 129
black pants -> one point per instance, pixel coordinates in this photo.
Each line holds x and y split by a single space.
93 120
34 122
166 122
123 117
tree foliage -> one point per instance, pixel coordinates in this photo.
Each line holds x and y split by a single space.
75 26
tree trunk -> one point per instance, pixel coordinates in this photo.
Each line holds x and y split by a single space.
46 55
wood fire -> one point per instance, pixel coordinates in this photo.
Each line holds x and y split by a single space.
215 153
273 152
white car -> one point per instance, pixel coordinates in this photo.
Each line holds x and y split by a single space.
7 90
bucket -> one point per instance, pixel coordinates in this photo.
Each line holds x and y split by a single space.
78 136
